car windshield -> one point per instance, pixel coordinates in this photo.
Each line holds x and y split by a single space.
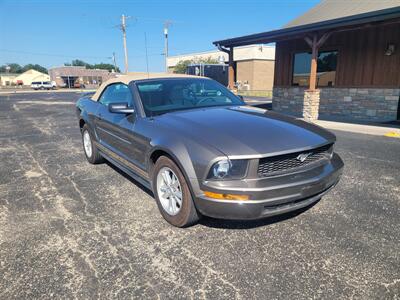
36 82
166 95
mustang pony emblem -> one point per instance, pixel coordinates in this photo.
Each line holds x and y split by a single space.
303 156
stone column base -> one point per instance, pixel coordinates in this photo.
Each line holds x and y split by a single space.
311 105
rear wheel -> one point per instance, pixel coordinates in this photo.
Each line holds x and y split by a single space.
92 154
172 194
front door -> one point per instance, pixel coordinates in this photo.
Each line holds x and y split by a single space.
115 130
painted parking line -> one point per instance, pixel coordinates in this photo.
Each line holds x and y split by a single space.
392 134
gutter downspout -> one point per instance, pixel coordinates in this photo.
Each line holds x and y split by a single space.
231 68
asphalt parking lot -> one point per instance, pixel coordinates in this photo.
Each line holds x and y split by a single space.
69 229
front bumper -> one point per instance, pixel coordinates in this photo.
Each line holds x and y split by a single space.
273 196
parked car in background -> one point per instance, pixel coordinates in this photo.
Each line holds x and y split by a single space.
79 85
202 151
43 85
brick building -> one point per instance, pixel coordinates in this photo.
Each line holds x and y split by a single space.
68 76
340 60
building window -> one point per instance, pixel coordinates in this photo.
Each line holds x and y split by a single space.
326 68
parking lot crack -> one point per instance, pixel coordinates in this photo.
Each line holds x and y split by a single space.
214 272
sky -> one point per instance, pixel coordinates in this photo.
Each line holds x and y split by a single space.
51 33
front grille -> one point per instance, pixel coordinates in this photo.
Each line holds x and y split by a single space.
269 166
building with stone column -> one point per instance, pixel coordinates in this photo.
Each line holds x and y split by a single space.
340 61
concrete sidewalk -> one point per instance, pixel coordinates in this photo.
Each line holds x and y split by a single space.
388 131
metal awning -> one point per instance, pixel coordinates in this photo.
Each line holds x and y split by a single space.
300 31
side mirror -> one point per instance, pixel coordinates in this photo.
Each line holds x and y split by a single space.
241 97
120 108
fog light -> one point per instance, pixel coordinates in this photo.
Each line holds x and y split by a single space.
226 196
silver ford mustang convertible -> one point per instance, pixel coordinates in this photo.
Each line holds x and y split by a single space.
202 151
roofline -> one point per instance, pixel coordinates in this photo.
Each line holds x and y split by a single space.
82 67
275 35
214 51
194 64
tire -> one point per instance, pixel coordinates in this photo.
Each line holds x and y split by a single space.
93 156
185 214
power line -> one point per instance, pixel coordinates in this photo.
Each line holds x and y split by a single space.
55 55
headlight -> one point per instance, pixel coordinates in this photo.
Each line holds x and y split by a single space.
228 169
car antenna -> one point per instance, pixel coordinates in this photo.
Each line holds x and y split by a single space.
147 67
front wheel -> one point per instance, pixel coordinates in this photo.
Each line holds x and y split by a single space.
172 194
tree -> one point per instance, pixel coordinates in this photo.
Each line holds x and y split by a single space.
14 68
79 63
102 66
18 69
36 67
182 65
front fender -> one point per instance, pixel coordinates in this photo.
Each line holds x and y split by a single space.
85 107
191 157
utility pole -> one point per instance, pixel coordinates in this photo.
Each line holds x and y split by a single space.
115 62
166 25
123 28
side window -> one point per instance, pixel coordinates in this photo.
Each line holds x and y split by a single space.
116 93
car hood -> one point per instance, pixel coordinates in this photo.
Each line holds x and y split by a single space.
246 130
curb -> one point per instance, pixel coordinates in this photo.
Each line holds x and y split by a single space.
386 131
392 134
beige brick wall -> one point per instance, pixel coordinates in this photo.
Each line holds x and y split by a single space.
258 73
244 72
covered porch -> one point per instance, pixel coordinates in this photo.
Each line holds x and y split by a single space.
350 66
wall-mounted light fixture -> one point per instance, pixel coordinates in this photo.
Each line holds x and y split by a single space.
390 49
